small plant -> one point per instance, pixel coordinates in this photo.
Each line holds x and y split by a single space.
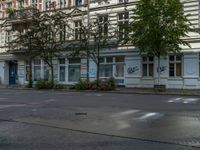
82 85
106 85
43 84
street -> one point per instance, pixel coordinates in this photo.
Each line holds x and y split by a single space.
61 120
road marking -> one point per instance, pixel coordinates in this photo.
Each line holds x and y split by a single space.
183 100
14 105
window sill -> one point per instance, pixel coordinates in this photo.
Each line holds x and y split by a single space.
175 78
147 78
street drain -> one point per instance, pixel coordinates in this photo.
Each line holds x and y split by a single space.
81 114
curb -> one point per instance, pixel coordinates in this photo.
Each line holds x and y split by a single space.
114 92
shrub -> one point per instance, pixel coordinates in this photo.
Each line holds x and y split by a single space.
43 84
106 85
82 85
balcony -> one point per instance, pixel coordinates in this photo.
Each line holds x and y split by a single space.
19 19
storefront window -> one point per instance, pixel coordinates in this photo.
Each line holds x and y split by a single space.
37 69
106 70
112 67
27 69
62 70
74 70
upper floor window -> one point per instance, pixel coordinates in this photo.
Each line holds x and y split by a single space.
77 29
62 3
175 66
103 22
78 2
47 4
147 66
34 3
123 1
63 33
123 20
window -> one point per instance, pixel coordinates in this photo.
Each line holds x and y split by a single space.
123 20
9 36
46 71
62 3
62 69
74 70
147 66
108 65
175 66
27 70
123 1
62 32
119 60
47 4
103 22
78 2
34 3
77 29
37 69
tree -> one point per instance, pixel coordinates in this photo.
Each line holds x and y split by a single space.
95 36
47 33
24 36
159 27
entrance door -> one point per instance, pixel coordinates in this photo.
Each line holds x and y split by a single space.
119 73
12 72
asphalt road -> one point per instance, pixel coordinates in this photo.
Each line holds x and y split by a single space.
53 120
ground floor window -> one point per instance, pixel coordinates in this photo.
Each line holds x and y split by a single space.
147 66
46 72
37 69
74 70
62 70
112 67
175 66
27 70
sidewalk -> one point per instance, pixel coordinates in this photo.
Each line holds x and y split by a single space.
183 92
123 90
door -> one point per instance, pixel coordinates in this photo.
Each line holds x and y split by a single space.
12 72
119 73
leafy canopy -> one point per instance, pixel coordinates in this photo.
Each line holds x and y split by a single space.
159 26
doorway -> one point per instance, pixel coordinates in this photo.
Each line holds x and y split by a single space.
12 72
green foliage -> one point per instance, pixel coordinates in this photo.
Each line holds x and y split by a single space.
47 84
42 84
158 27
105 85
82 85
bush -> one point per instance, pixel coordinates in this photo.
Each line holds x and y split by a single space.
107 85
103 85
43 84
46 84
82 85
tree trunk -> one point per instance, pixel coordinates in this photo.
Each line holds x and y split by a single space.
158 70
52 75
30 84
88 65
98 66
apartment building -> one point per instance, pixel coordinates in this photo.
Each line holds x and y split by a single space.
124 63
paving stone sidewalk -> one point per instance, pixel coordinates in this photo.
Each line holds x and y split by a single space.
123 90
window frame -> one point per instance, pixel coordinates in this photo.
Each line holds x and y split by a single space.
122 21
148 63
175 62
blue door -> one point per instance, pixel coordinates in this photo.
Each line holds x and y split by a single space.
12 72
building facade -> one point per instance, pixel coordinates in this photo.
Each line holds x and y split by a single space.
124 63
